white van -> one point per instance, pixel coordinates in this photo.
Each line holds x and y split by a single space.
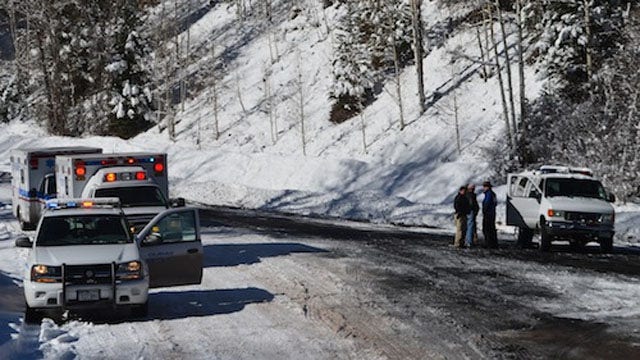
561 203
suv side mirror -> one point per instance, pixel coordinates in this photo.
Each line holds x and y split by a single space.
178 202
23 242
611 198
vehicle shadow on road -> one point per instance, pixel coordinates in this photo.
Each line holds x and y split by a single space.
221 255
168 305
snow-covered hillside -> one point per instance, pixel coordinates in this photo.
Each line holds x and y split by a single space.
407 176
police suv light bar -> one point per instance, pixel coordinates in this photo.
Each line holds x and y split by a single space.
57 204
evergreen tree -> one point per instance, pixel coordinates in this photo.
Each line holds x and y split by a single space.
364 54
130 76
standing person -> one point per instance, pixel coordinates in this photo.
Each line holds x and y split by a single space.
461 206
489 204
472 236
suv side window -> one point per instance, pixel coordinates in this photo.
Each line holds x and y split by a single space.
175 228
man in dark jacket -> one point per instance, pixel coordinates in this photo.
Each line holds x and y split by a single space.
462 208
489 204
472 236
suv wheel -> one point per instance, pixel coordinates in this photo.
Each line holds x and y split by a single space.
32 316
606 244
140 311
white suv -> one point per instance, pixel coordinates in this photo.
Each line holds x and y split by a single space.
561 203
85 256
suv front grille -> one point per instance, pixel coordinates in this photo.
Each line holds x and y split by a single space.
88 274
588 218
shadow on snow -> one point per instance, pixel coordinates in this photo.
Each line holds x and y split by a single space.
246 254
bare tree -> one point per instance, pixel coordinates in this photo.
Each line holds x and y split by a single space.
266 79
398 83
239 93
454 93
301 99
522 92
507 61
416 15
187 60
214 90
505 108
587 45
483 58
364 134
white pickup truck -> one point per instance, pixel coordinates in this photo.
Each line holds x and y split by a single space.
85 257
561 203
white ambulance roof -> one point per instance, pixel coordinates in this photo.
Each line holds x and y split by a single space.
68 150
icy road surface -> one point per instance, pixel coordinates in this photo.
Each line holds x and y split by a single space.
276 288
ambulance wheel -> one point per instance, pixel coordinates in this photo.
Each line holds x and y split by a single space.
23 225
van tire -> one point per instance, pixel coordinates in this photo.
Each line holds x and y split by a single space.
525 236
545 239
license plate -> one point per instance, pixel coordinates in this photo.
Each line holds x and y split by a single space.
88 295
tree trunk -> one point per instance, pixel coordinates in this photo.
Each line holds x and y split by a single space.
416 12
301 100
507 59
454 93
587 45
396 65
485 75
505 109
214 88
364 134
523 97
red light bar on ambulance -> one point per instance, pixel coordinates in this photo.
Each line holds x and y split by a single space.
125 176
57 204
80 170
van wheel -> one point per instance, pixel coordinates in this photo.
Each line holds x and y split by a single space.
140 311
606 245
32 316
545 239
525 236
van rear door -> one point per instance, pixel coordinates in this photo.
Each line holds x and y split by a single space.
523 201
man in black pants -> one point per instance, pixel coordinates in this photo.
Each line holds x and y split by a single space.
489 204
462 208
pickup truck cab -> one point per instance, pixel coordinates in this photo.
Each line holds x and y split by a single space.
85 256
560 203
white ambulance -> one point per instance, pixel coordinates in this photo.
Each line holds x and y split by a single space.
33 180
139 180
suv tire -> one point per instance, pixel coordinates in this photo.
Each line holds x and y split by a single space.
140 311
32 316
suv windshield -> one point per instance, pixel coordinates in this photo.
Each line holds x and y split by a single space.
83 230
575 187
135 196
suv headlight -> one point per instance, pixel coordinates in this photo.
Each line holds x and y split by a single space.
131 270
607 218
46 274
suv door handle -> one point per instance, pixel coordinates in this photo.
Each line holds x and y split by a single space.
192 251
